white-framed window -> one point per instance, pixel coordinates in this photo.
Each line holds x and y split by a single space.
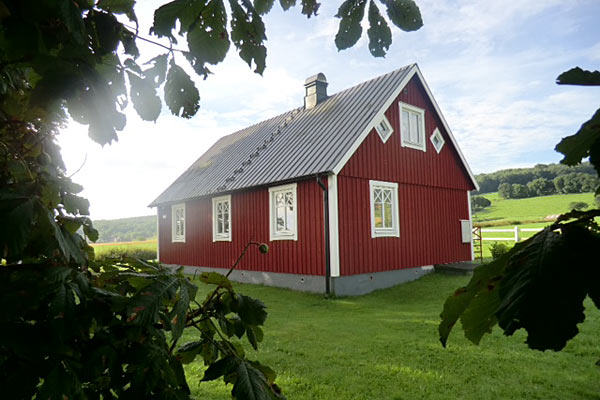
384 129
283 212
412 126
178 223
221 216
437 140
384 209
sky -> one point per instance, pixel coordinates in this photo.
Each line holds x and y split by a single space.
491 65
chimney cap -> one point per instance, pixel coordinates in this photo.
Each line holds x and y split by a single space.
320 77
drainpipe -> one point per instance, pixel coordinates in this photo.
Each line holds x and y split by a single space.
326 223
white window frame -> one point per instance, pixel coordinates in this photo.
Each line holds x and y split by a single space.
273 233
175 238
394 231
421 132
437 134
221 237
384 129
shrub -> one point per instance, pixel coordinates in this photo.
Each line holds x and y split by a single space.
480 202
498 250
578 205
121 252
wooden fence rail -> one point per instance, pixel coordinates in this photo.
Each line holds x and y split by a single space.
515 238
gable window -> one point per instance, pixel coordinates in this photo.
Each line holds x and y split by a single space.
178 223
384 209
384 129
437 140
221 218
412 126
283 213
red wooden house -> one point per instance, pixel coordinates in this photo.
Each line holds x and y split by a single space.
354 191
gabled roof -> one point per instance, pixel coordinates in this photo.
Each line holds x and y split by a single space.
297 143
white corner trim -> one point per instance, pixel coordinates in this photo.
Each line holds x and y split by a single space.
158 233
395 231
281 236
374 121
220 237
436 132
334 233
174 238
416 110
471 224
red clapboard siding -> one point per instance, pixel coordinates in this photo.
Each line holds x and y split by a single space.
250 221
430 230
391 162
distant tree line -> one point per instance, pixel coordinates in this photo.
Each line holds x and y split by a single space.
126 229
541 180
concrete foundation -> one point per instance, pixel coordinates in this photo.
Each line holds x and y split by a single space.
352 285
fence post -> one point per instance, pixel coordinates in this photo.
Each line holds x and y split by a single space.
517 238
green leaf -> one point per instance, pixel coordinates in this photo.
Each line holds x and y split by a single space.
144 97
287 4
187 353
129 43
405 14
263 6
89 230
251 311
380 34
545 284
255 336
222 367
158 72
17 212
208 40
459 302
165 18
71 16
76 205
178 314
577 146
248 35
145 305
351 13
106 32
250 384
181 94
578 76
310 7
215 278
117 6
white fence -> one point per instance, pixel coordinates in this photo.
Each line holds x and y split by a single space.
516 231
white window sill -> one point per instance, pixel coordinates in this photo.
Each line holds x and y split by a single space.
222 239
377 234
414 146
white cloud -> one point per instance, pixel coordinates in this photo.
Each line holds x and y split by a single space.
490 64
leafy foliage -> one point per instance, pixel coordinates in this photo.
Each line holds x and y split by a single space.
405 14
541 283
111 327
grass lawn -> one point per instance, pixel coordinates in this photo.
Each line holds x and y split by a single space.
385 346
528 209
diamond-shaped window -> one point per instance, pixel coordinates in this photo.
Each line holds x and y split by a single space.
437 140
384 129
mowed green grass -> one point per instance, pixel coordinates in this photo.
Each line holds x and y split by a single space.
533 208
385 346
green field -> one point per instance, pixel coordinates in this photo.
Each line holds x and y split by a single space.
533 208
102 249
385 346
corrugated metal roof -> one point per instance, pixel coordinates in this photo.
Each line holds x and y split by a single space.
291 145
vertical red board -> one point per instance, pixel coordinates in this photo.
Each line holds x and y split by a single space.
249 222
429 221
432 197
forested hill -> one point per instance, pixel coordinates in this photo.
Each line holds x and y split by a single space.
126 229
543 179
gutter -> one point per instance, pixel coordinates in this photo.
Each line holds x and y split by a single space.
326 229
